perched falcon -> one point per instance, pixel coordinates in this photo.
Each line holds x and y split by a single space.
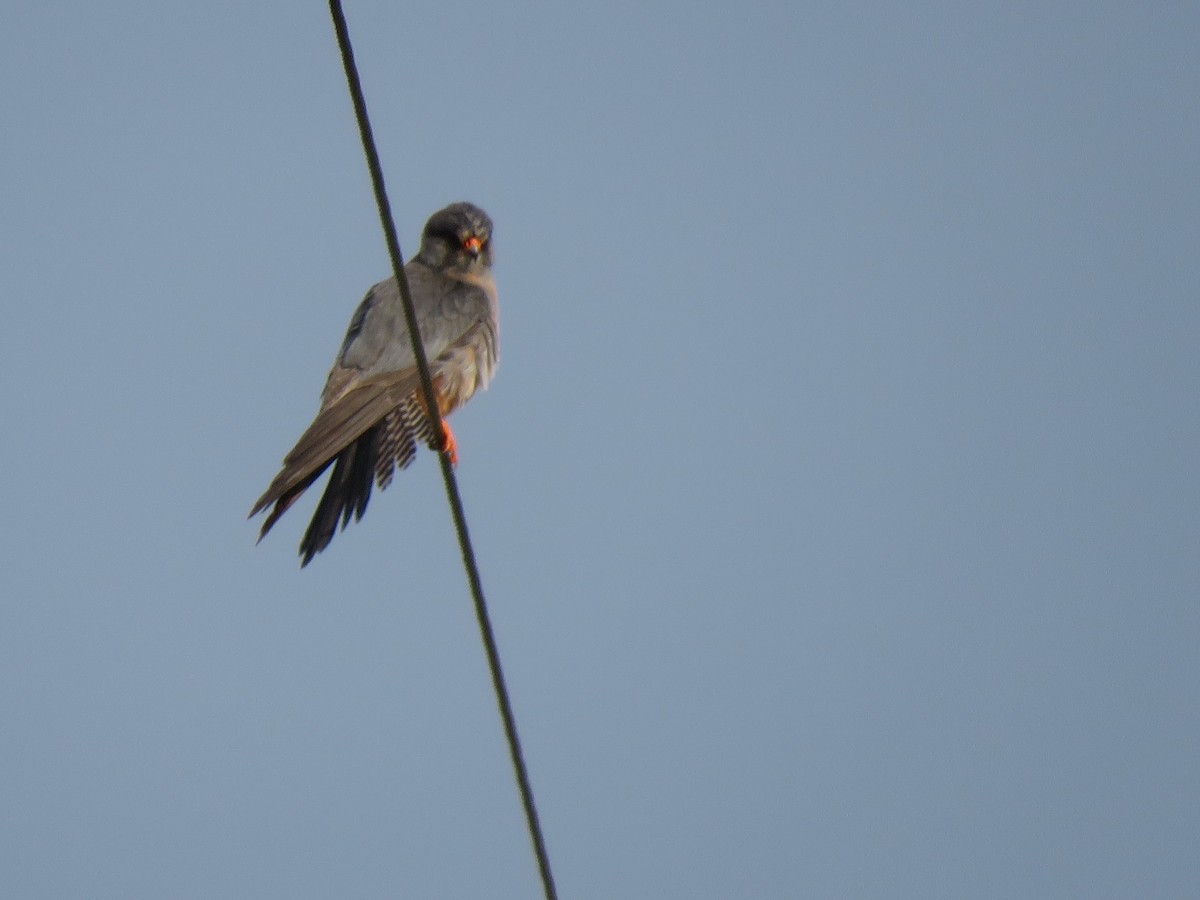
373 411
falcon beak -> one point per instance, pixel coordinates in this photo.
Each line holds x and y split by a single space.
473 245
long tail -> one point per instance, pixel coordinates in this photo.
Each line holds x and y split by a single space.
390 444
346 494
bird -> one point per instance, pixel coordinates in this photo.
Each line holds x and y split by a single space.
373 411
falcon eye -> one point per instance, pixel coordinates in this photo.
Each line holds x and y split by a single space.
472 244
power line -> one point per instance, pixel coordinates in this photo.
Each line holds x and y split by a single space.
452 493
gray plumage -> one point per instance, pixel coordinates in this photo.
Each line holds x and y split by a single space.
372 413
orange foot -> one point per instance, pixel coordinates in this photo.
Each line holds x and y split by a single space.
449 444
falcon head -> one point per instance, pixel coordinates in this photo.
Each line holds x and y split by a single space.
458 241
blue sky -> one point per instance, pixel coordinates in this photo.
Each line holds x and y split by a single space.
836 499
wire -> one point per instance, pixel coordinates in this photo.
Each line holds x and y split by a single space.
452 493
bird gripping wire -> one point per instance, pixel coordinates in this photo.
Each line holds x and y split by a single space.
452 493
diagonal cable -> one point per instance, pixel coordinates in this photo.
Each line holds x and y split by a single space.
452 493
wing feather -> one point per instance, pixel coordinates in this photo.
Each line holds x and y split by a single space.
337 426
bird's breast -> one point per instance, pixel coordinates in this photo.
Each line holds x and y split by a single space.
465 367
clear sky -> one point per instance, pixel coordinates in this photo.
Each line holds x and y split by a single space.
836 500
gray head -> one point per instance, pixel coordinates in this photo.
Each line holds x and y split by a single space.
458 240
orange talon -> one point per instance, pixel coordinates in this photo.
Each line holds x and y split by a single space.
449 444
